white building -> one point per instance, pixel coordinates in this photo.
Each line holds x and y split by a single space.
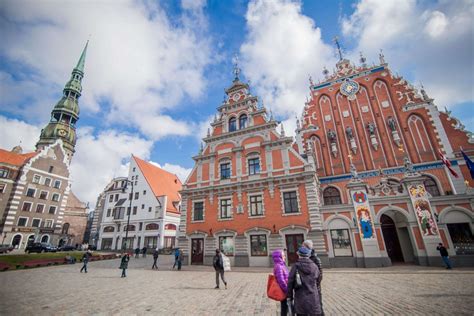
154 208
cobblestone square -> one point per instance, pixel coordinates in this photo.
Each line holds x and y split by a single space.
62 290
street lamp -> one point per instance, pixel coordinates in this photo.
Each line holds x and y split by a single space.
129 211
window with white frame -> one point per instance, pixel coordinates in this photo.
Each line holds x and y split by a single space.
26 206
254 165
55 197
243 121
57 184
3 186
52 209
258 245
3 173
47 182
225 208
225 170
290 202
22 221
36 178
31 192
39 208
43 195
36 222
226 245
49 223
198 211
256 205
232 124
111 198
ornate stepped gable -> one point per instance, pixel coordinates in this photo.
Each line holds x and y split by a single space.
249 167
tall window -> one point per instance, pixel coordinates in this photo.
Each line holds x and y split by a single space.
55 197
2 187
243 121
65 229
431 187
331 196
198 211
225 170
39 208
47 182
43 195
226 245
57 184
111 198
134 210
26 206
225 208
108 212
3 173
256 207
232 124
36 178
30 192
137 194
36 222
258 245
22 221
254 165
49 223
52 209
290 201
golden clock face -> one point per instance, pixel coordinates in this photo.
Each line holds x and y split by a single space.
62 132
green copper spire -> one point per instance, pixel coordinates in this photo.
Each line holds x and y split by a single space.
82 60
66 112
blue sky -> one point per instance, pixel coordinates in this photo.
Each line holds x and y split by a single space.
156 71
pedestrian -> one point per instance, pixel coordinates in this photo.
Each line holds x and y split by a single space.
137 253
218 264
176 257
444 254
144 249
302 285
124 264
155 259
280 271
85 261
180 259
314 257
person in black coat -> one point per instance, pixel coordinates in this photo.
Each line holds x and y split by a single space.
314 257
218 265
304 295
124 264
444 255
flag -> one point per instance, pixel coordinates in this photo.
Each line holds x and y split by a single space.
447 163
469 163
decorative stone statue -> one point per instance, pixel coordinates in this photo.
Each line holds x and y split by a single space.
392 124
349 133
332 135
371 128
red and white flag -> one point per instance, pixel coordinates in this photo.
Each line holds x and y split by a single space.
447 163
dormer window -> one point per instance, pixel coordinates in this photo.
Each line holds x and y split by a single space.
243 121
232 124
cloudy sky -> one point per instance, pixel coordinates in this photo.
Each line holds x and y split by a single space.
156 71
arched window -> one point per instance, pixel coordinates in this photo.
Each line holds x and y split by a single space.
65 228
331 196
109 229
170 226
152 226
431 187
129 228
243 121
232 124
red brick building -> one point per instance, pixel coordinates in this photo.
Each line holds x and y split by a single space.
386 195
250 191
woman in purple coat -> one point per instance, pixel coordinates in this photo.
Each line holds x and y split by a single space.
280 271
306 297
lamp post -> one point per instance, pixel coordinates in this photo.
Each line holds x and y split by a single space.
129 212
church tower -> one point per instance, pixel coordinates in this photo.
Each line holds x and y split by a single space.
66 112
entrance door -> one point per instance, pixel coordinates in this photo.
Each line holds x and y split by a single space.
293 242
390 237
197 251
16 241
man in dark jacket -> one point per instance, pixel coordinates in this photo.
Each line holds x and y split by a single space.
444 254
304 292
314 257
137 253
218 265
155 259
85 260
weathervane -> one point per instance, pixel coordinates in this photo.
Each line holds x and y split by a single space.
336 40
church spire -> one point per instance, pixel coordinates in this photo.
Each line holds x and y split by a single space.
336 40
65 113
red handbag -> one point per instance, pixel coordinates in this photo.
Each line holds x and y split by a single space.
274 290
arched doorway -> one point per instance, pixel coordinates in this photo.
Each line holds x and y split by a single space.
31 239
390 236
61 243
45 238
16 241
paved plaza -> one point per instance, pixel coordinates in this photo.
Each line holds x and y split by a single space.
62 290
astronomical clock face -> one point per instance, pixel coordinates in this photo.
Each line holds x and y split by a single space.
236 97
349 88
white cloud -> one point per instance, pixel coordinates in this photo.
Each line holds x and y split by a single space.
282 48
431 42
15 132
139 61
101 157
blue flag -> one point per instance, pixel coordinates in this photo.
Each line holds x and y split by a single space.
469 163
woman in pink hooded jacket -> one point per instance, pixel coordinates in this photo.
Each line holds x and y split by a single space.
280 271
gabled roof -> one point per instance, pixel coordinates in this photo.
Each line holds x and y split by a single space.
161 182
15 159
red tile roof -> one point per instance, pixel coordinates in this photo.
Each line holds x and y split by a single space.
11 158
161 182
